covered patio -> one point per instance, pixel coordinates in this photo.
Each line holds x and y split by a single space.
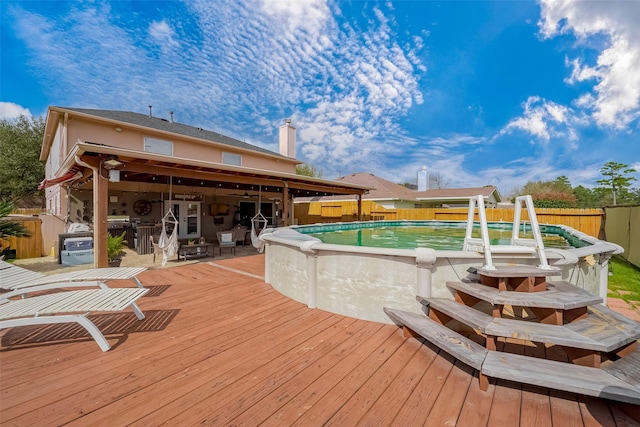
221 347
103 172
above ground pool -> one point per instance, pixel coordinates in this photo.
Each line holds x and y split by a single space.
439 235
356 269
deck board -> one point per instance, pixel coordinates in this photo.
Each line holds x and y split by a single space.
535 410
419 403
507 400
220 347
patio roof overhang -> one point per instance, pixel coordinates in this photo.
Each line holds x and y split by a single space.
138 167
148 167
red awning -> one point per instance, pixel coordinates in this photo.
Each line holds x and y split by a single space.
73 174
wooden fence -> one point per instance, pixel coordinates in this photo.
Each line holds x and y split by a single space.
588 221
26 247
43 228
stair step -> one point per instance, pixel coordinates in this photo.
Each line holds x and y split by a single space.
585 380
560 376
627 369
519 271
458 346
559 295
599 331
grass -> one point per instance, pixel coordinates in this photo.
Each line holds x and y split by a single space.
624 277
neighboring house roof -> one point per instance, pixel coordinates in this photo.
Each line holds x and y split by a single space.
387 190
457 193
164 125
383 189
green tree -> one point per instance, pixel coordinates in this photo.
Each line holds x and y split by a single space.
551 194
562 185
587 198
306 169
616 178
20 167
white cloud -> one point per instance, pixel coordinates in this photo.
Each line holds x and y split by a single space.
309 16
163 34
9 110
615 99
543 119
240 67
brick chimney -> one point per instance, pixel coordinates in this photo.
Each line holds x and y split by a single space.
288 139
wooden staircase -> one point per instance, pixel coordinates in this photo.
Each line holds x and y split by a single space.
599 347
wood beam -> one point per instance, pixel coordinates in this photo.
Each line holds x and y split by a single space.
227 177
286 208
195 174
100 211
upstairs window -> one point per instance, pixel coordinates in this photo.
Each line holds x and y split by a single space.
158 146
231 159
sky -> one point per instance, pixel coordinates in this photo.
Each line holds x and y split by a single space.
480 92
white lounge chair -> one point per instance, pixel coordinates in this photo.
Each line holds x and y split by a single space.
13 277
70 307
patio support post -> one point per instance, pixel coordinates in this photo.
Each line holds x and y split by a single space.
360 207
286 200
100 211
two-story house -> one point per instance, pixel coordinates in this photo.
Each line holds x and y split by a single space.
103 165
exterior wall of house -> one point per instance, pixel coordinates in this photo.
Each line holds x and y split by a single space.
54 195
84 130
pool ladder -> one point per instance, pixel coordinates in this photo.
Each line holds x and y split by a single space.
518 244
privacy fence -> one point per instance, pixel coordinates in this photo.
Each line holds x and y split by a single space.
43 230
622 226
589 221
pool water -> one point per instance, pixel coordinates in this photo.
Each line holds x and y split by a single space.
440 236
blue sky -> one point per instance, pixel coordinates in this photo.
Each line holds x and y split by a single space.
479 92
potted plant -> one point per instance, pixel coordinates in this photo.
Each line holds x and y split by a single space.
115 249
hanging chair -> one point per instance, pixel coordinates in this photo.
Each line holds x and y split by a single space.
168 244
258 225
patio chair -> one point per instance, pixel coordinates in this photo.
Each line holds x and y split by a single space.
13 277
227 240
70 307
240 234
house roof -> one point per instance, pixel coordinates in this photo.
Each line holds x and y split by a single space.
387 190
456 193
164 125
383 189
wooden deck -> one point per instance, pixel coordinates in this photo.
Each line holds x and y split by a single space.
221 347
